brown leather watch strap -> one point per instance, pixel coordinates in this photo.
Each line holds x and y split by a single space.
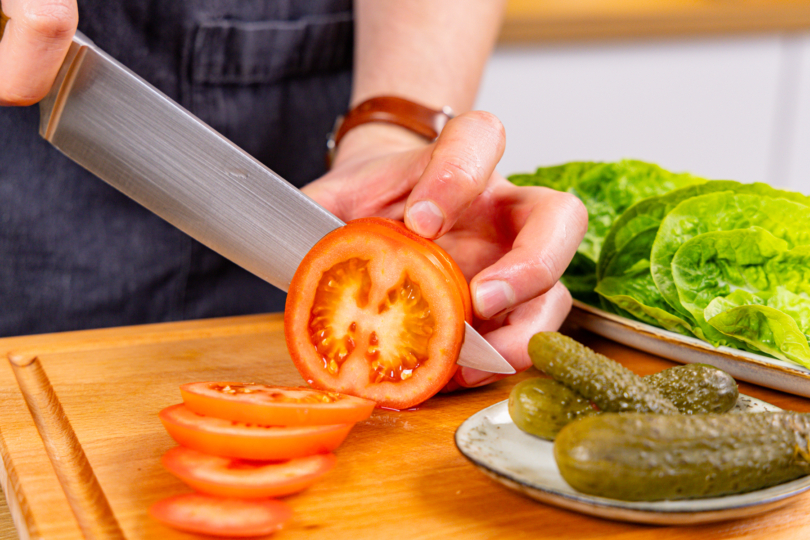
421 120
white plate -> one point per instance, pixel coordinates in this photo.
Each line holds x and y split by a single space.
742 365
526 464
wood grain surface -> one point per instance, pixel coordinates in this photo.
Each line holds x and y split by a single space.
398 474
529 21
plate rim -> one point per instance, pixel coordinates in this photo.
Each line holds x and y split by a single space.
630 511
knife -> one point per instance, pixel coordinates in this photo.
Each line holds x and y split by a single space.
119 127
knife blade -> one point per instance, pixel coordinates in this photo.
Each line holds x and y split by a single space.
119 127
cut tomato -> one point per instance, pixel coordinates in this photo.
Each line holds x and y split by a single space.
217 516
245 479
274 405
377 312
228 438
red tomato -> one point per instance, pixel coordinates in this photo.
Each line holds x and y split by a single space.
229 438
216 516
245 479
378 312
274 405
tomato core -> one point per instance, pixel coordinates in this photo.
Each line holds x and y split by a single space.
394 345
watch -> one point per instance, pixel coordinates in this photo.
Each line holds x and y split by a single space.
421 120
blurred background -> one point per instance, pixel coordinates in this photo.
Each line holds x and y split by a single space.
718 88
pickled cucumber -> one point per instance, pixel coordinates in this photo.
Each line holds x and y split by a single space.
543 407
696 388
611 386
647 457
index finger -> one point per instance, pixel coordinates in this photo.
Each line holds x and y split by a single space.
35 40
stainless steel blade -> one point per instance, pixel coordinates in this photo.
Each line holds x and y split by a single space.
116 125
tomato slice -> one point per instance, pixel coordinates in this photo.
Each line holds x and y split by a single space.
274 405
234 439
245 479
374 311
217 516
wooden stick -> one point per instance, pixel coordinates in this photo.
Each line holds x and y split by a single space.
84 494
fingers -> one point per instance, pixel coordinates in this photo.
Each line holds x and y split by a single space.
36 39
542 314
546 242
460 166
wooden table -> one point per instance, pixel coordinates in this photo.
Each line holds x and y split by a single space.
398 474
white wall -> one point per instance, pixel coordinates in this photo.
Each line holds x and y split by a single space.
736 108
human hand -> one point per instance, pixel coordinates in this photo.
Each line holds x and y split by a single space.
512 243
34 43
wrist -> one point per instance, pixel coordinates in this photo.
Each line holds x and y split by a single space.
376 139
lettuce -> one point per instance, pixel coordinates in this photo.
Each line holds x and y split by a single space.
607 190
649 212
724 211
766 328
750 268
626 248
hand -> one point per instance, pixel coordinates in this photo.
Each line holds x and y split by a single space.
512 243
35 41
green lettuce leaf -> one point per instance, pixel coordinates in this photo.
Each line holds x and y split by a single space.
606 189
649 213
559 177
609 190
714 264
763 327
722 211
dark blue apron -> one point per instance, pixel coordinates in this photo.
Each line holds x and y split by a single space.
271 75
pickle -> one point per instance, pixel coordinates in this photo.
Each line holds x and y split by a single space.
696 388
611 386
543 407
647 457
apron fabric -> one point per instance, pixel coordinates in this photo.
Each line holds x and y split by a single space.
74 253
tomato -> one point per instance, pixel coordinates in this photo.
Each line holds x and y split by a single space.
231 477
274 405
217 516
378 312
229 438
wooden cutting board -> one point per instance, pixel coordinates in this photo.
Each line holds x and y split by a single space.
398 474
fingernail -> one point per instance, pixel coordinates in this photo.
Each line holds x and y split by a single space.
425 219
492 297
474 377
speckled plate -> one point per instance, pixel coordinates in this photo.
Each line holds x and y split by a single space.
742 365
526 464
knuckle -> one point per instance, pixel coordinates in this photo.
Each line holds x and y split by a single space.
54 20
463 174
547 270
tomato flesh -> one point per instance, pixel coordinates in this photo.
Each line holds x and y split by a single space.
229 438
274 405
216 516
246 479
375 313
403 326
